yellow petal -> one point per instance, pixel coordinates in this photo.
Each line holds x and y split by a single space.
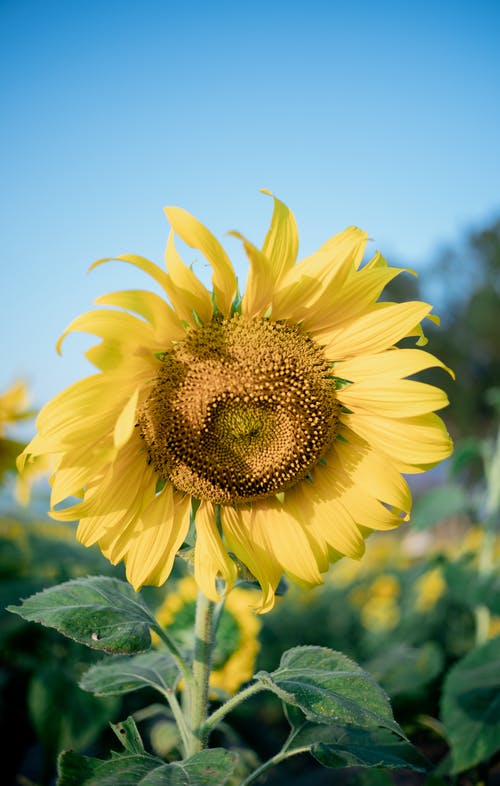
126 422
211 560
325 512
328 268
378 330
198 236
128 484
420 441
282 240
79 467
391 364
156 273
186 292
372 473
158 534
338 305
112 325
287 541
240 537
392 399
260 281
151 307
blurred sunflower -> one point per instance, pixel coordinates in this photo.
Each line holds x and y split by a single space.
237 642
13 408
278 421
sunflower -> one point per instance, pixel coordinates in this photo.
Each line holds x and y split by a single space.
237 632
13 410
276 423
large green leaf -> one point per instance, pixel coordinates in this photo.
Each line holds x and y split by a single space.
345 746
368 748
330 688
470 706
128 673
209 767
101 612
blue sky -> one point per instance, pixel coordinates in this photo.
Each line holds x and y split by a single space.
380 114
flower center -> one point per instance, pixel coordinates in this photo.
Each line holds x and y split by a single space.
241 409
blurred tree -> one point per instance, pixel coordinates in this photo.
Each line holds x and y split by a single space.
469 339
464 285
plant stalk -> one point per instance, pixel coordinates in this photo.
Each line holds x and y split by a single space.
197 705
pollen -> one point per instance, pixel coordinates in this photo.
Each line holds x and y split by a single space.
240 410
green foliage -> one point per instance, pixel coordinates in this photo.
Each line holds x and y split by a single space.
61 714
327 686
135 767
124 674
101 612
471 706
339 745
405 670
439 503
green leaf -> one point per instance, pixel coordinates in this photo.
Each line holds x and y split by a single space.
101 612
214 766
346 746
470 706
207 768
363 748
129 736
128 673
437 504
329 687
127 769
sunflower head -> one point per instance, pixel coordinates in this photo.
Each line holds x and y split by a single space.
277 421
239 411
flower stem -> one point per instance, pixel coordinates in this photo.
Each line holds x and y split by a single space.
230 704
280 756
175 653
179 719
198 699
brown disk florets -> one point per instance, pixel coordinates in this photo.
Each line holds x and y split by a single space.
241 409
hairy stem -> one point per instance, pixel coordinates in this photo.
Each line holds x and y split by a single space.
230 704
175 653
198 699
280 756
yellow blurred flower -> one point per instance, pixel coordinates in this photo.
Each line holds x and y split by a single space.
428 589
494 627
279 420
380 614
13 410
385 586
237 642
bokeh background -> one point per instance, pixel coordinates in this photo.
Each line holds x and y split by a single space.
385 115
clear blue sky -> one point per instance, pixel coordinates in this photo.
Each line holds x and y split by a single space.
382 114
